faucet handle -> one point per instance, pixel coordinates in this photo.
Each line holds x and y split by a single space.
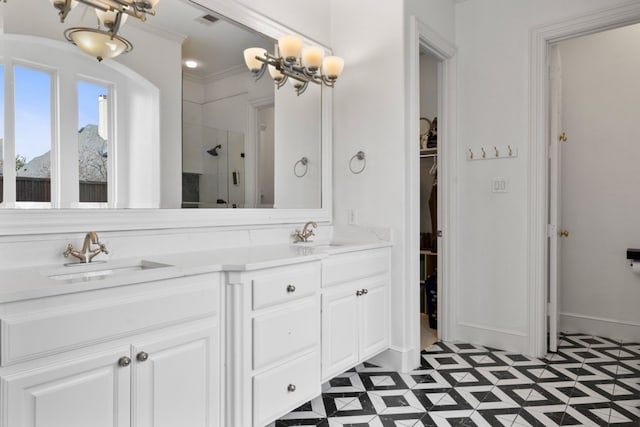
103 248
68 251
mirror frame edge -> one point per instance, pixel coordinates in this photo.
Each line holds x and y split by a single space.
54 221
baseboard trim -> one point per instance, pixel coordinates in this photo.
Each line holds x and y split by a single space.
504 339
396 359
601 326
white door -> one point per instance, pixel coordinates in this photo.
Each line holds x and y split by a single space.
176 378
556 138
339 330
374 319
91 390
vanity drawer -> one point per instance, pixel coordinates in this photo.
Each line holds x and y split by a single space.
341 268
66 324
286 332
279 285
272 391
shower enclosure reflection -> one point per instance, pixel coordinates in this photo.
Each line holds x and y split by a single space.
213 168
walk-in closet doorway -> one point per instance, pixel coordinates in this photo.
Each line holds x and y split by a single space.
429 230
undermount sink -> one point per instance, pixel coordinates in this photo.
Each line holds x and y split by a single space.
80 272
319 244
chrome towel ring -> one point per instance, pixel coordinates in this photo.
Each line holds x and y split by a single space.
304 162
360 156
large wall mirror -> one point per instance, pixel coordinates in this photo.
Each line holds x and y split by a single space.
177 123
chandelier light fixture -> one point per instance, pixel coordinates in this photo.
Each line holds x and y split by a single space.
104 42
301 64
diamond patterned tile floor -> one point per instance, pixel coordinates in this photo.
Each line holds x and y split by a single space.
590 381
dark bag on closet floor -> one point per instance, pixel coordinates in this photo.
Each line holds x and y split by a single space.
431 286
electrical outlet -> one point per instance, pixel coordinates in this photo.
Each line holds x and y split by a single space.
499 185
352 215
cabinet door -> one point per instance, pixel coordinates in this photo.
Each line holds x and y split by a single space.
339 331
89 390
374 319
177 378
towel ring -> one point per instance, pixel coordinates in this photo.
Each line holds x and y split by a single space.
360 156
304 162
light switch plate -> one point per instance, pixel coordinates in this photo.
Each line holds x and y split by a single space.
499 185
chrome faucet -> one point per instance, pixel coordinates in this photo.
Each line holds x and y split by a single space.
303 236
86 254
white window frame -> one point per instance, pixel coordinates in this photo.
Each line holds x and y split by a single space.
10 135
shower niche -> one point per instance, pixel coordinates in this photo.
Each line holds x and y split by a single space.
213 168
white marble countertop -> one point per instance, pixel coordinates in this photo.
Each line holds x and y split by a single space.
49 280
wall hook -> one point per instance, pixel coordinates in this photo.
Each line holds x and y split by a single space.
510 151
470 154
496 150
484 153
360 156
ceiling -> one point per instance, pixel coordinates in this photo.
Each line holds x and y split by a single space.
217 46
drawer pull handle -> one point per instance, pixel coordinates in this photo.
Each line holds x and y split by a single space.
142 356
124 361
358 293
365 291
291 289
291 388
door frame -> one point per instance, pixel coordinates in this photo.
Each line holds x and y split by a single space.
421 36
540 39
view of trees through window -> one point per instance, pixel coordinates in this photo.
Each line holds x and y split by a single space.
93 134
32 106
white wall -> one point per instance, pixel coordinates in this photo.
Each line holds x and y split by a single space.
369 114
297 126
492 37
310 21
600 183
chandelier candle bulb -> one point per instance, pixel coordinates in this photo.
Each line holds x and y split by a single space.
250 54
332 67
290 47
108 18
275 73
312 57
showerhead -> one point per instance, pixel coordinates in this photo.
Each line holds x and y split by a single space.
214 150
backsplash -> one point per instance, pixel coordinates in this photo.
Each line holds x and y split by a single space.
39 250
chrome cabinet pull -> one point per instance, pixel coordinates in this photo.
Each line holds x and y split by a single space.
291 289
142 356
358 293
124 361
291 388
365 291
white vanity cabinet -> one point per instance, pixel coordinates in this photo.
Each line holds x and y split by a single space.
142 355
273 342
355 309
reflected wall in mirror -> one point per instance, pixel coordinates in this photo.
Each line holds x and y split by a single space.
138 131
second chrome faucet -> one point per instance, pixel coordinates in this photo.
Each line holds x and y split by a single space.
306 233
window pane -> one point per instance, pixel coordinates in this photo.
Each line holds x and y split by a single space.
33 135
93 133
1 133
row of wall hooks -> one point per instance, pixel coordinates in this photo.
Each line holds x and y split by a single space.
493 152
